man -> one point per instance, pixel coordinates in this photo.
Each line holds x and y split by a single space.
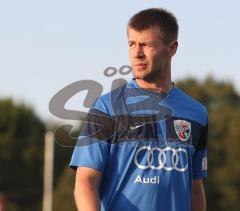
144 144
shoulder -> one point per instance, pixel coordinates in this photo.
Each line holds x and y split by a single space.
191 106
106 101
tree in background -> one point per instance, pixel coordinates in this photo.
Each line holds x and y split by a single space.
63 196
21 156
21 152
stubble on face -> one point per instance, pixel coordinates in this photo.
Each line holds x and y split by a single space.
147 54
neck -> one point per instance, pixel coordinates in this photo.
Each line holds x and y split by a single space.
161 84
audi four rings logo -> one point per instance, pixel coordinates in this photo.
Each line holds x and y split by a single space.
168 158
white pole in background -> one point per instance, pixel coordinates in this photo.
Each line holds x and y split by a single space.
48 171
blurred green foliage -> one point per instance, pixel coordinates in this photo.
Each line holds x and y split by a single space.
21 151
21 156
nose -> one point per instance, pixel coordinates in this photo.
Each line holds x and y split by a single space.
138 52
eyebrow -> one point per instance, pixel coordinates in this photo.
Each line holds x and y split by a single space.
141 43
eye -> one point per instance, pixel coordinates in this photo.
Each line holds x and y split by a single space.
130 44
149 45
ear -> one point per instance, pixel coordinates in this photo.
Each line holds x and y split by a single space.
172 48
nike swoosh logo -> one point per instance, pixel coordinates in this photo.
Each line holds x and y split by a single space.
135 127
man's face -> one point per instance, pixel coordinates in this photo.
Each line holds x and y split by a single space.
148 53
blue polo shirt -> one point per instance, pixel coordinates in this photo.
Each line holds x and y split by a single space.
148 146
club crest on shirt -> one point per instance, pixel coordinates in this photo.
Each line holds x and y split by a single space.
182 129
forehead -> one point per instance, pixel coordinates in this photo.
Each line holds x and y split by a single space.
151 34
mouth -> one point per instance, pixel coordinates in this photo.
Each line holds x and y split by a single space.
140 65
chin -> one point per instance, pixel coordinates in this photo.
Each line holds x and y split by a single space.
139 74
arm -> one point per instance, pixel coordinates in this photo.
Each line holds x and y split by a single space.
86 189
198 202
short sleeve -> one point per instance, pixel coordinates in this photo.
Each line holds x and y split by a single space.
200 155
92 147
93 156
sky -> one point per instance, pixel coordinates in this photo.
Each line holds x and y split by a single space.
46 45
